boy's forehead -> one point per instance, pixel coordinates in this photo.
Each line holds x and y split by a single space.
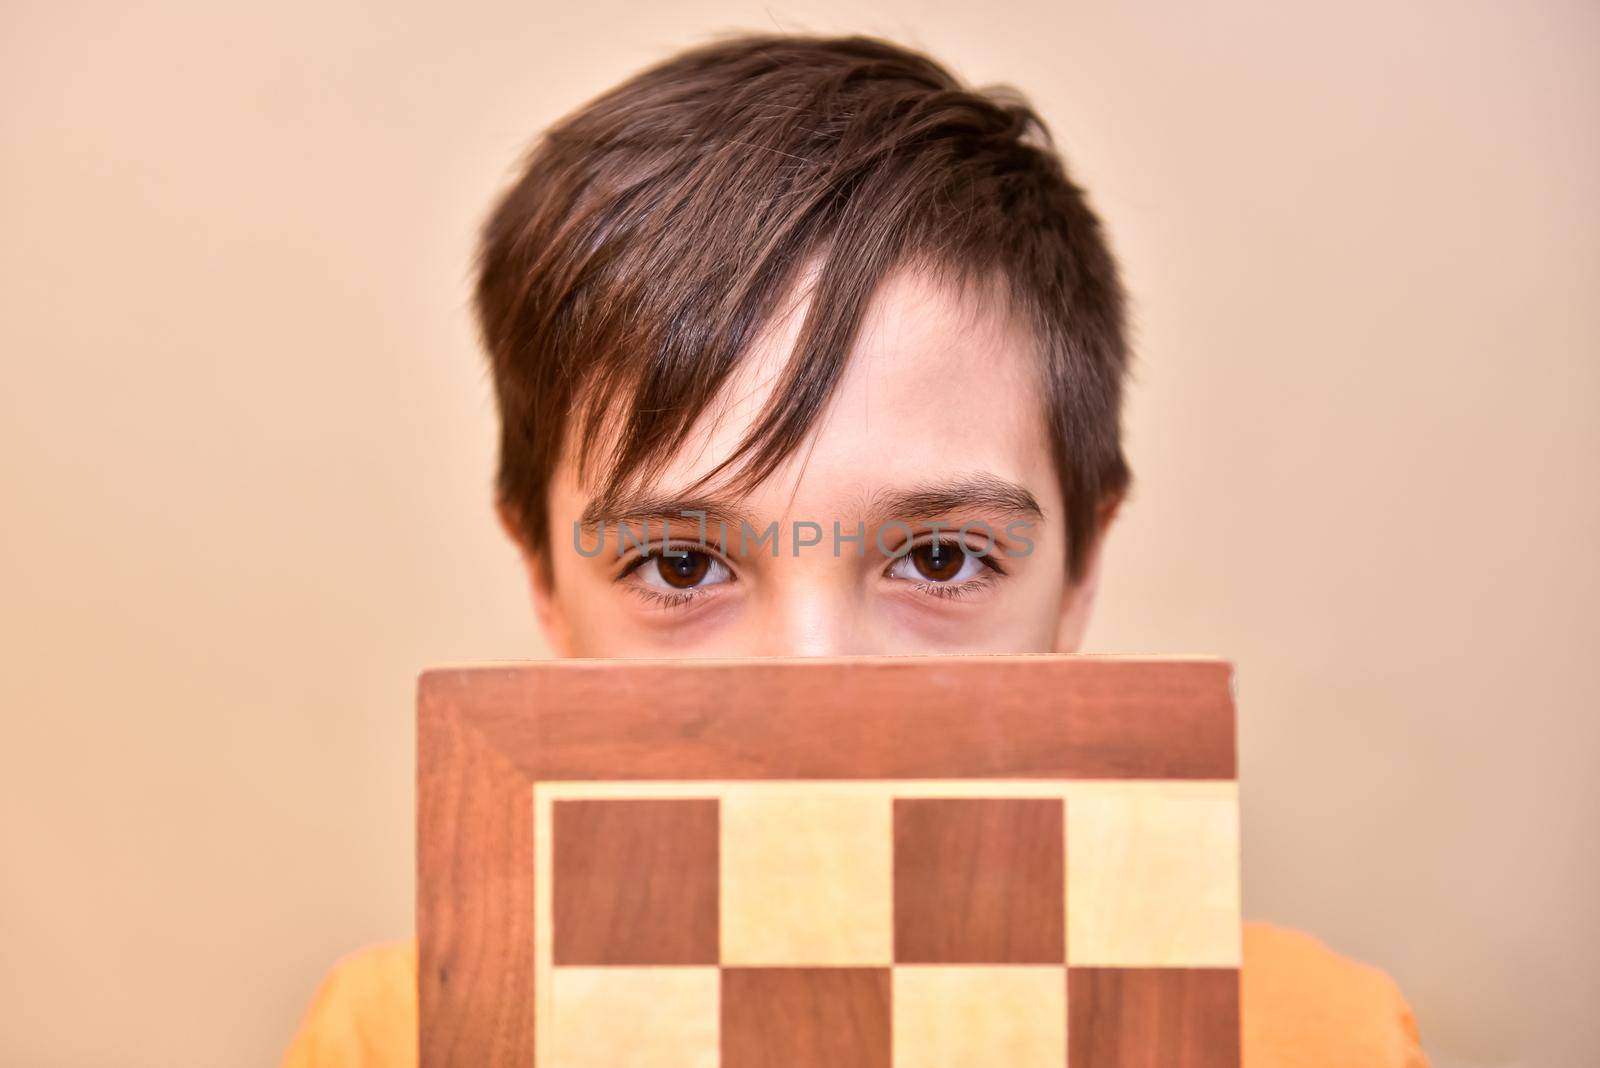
943 382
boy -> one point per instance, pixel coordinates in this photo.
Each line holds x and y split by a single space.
802 348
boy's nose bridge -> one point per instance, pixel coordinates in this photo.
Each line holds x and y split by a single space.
810 618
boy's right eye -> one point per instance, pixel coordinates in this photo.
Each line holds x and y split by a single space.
679 570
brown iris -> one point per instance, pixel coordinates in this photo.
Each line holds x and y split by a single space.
938 561
684 569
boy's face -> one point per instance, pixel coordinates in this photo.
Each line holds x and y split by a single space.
937 420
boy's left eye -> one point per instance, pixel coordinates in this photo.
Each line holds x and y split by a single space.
945 563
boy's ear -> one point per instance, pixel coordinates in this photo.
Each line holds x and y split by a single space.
1077 601
541 584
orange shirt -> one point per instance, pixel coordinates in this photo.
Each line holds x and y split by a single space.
1303 1006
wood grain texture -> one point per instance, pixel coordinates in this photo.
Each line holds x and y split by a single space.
883 718
475 940
615 1017
1153 1018
805 1018
978 1016
1032 730
1153 882
636 882
806 880
979 881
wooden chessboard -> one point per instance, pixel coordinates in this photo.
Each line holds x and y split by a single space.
906 862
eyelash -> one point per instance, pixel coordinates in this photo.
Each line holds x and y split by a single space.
946 592
663 599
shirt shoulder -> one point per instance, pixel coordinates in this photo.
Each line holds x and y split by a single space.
364 1014
1305 1006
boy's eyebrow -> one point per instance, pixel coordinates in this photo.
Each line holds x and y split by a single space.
644 508
983 491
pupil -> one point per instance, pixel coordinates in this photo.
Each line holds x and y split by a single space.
685 570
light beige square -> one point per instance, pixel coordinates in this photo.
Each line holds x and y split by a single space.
807 879
955 1016
1153 882
647 1017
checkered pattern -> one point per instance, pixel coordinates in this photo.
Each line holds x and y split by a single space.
914 925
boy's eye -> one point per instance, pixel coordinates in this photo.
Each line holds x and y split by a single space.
944 562
682 569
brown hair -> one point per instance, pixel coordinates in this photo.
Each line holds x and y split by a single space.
652 234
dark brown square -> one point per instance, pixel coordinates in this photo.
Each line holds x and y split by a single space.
979 881
1149 1017
635 882
805 1018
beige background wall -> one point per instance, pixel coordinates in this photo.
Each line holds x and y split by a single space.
246 445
